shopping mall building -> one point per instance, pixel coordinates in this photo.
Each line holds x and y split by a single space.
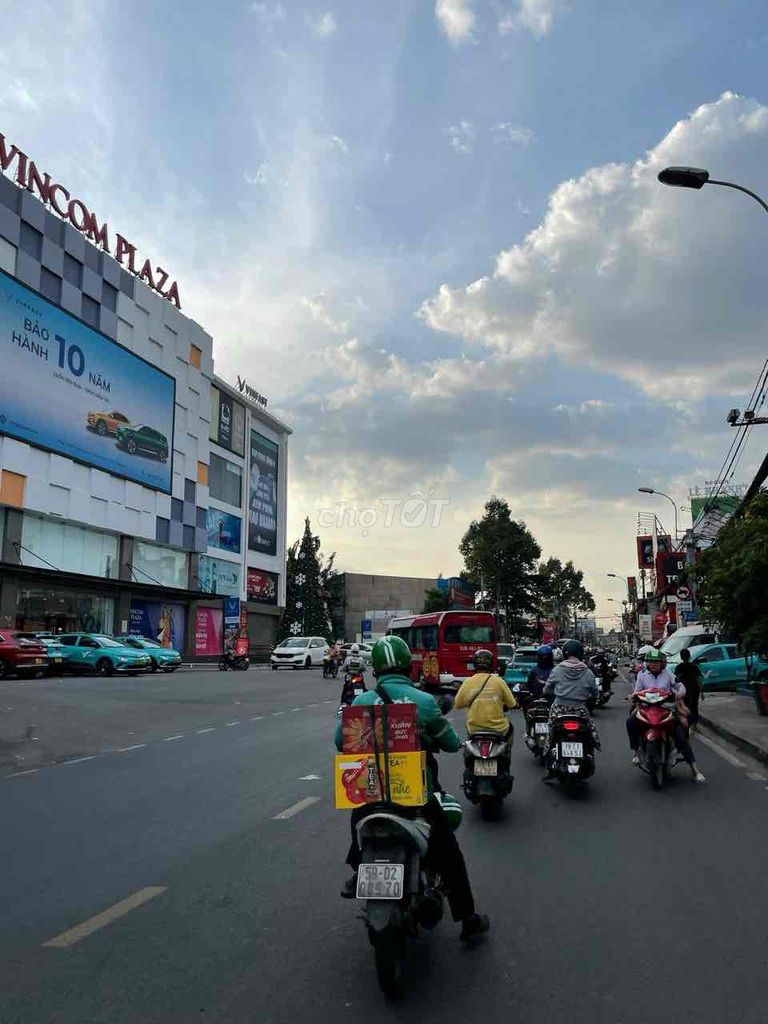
137 490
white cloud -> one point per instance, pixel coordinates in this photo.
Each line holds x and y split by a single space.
259 177
324 25
534 16
17 94
456 19
513 134
315 305
630 277
461 137
336 144
268 13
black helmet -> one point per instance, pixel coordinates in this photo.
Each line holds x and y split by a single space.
483 659
573 649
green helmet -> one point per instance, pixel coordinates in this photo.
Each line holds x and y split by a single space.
391 654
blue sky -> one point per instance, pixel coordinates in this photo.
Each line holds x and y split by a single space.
430 232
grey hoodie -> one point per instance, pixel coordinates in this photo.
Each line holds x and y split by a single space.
571 682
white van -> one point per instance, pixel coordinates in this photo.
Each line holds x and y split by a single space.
689 636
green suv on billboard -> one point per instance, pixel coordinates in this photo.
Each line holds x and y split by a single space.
143 440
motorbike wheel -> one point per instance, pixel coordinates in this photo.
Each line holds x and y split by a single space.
490 809
655 766
572 786
223 665
389 955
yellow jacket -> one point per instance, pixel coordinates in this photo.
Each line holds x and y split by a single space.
486 696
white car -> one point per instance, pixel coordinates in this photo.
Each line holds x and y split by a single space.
299 652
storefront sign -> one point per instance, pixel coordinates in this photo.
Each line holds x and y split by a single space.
67 388
59 199
668 569
262 498
156 620
223 530
219 577
262 586
645 627
249 392
208 631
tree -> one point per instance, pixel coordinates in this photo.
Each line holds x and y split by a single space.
732 577
562 593
436 600
306 608
500 553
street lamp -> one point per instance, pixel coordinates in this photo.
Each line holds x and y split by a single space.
697 177
651 490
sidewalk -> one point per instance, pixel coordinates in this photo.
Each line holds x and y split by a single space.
734 717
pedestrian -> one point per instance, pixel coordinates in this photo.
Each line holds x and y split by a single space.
689 674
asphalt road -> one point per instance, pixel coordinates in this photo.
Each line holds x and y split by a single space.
624 907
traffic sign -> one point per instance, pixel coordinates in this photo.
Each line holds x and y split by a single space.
683 593
366 629
685 606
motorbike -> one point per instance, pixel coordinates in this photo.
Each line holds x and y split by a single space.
571 757
487 778
354 685
330 667
655 713
603 678
402 893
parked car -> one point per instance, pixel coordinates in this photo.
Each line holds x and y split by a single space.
722 666
105 423
519 668
688 636
165 658
143 440
94 652
53 651
504 654
20 655
299 652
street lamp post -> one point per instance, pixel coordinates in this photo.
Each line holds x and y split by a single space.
651 490
697 177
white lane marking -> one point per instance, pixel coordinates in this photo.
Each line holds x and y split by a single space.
28 771
757 776
296 808
170 739
257 718
276 713
210 728
308 778
721 751
297 709
329 702
313 705
230 724
79 760
82 931
136 746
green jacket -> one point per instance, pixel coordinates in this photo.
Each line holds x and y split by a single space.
437 733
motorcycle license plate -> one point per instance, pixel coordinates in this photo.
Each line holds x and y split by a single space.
380 881
571 749
40 661
540 728
486 768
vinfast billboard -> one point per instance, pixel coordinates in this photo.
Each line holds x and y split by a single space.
67 388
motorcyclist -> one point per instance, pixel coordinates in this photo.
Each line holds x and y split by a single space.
486 697
656 676
572 684
353 661
354 682
391 660
541 671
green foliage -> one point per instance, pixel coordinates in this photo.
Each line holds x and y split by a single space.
733 578
562 592
436 600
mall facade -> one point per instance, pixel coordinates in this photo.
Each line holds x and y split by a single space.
138 491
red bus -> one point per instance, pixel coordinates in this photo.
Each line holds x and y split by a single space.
443 643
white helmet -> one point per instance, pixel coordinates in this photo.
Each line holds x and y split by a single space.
355 649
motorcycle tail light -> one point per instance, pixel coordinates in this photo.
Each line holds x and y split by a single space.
572 726
485 748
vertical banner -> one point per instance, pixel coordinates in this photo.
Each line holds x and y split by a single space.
231 618
225 420
208 631
262 495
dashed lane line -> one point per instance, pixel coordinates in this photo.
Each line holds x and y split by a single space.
79 760
211 728
257 718
276 714
28 771
124 750
296 808
93 924
170 739
230 724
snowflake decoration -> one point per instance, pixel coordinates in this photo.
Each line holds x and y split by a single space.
295 628
301 579
302 554
299 604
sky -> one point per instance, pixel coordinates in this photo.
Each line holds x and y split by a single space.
432 235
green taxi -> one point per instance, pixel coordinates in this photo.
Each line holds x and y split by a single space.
103 655
165 658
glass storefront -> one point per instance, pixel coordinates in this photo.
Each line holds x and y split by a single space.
62 610
68 548
155 564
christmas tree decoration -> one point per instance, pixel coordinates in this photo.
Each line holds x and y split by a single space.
306 608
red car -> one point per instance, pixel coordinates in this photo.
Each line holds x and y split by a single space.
19 656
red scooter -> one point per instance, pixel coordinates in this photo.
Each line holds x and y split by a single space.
655 713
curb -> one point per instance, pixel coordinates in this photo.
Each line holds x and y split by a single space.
760 753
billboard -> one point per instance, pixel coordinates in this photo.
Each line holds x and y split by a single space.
158 620
69 389
209 624
645 549
723 505
262 496
262 586
218 577
223 530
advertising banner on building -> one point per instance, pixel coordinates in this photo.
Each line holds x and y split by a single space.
223 530
231 618
632 589
645 627
69 389
645 549
225 420
218 577
262 586
158 620
208 631
262 497
669 566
